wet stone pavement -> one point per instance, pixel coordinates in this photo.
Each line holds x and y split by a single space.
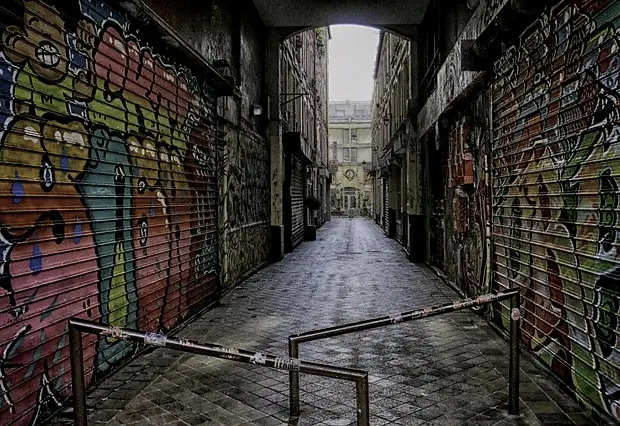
444 370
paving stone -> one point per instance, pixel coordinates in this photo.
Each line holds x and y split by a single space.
129 417
102 415
444 370
430 413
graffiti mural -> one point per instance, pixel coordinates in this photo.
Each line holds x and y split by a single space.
467 195
244 204
109 193
556 109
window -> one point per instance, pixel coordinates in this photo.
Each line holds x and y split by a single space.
353 135
349 155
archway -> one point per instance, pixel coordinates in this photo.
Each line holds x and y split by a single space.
289 135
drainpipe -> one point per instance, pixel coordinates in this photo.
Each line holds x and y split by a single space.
488 211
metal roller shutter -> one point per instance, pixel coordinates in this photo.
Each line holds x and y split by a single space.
297 201
556 226
385 203
108 193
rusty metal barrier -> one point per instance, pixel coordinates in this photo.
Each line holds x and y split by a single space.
78 326
515 331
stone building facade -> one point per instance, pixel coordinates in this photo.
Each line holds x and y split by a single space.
350 163
303 108
392 136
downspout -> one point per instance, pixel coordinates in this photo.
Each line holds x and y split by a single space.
489 210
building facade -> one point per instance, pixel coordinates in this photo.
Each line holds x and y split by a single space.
350 162
511 181
303 109
392 136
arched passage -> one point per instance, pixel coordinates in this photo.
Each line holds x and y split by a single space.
281 128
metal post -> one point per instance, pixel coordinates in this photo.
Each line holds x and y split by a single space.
363 405
293 377
515 337
77 375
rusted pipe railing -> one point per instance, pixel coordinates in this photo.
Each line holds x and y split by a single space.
78 326
515 331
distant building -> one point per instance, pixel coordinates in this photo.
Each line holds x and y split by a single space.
350 138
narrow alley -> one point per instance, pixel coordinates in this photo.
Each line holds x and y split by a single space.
235 172
444 370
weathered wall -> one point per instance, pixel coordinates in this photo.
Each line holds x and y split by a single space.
109 182
452 81
556 119
221 30
244 204
210 26
467 196
244 156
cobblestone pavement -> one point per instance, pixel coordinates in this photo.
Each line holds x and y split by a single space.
445 370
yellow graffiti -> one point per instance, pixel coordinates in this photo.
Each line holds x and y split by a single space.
118 302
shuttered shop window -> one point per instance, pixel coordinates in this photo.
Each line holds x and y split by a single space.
297 201
107 190
556 201
385 203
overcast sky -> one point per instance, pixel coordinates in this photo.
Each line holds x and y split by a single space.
352 52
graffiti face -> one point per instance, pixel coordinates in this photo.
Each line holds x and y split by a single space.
41 42
43 159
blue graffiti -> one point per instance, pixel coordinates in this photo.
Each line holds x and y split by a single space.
36 261
17 189
64 163
77 232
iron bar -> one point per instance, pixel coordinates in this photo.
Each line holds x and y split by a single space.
296 339
295 409
78 326
515 337
296 96
363 404
402 317
78 386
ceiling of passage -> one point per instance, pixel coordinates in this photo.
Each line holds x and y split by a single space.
317 13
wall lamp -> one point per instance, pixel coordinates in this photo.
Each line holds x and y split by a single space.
257 110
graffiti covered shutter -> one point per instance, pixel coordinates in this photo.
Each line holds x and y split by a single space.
297 201
108 193
556 226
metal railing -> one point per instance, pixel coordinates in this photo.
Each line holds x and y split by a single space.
513 379
78 326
